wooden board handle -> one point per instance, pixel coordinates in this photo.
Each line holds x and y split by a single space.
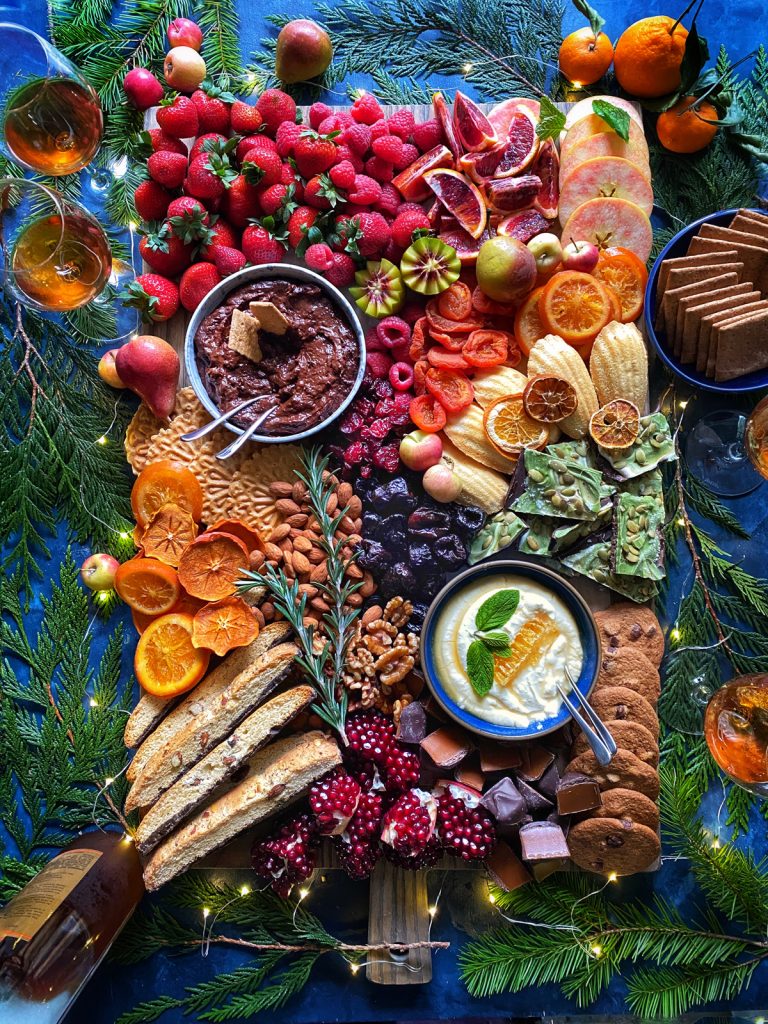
398 911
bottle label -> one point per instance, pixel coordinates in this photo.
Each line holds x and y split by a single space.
27 912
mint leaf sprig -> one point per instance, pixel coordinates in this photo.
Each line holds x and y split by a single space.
490 639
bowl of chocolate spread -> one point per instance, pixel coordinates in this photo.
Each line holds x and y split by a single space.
304 358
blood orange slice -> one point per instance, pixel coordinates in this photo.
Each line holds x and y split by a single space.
593 125
547 168
605 176
501 115
410 182
584 108
467 247
443 115
523 225
460 197
549 399
609 222
528 325
604 144
616 424
509 194
473 129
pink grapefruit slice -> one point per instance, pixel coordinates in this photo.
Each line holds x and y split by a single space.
605 176
472 128
503 112
523 225
604 144
608 222
547 167
584 108
592 125
410 182
460 197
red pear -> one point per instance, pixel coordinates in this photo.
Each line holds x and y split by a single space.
304 50
150 367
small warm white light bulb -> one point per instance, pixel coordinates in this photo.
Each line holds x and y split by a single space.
108 782
576 85
124 535
127 839
354 968
466 68
683 403
206 912
491 898
245 890
104 596
303 893
93 703
675 634
613 877
597 951
715 844
101 440
681 522
432 911
132 225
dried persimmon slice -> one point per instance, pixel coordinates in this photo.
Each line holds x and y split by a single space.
237 528
223 625
210 566
168 532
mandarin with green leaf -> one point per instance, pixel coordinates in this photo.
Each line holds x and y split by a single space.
649 56
585 56
687 126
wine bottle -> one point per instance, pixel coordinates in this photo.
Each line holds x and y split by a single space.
55 932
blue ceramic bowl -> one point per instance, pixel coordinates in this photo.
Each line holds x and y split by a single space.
576 605
678 246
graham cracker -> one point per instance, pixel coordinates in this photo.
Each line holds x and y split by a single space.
244 335
269 317
750 223
672 298
683 262
742 346
699 245
706 356
689 314
752 251
679 277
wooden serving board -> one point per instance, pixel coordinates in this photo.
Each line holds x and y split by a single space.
398 909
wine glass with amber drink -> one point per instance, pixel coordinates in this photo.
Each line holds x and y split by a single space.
52 120
736 731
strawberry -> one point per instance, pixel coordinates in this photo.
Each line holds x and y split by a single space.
242 201
358 138
167 169
321 193
189 219
164 252
317 113
220 233
375 234
275 106
228 260
262 167
406 223
366 109
253 142
314 153
319 257
161 142
388 147
154 295
195 284
289 177
342 273
208 176
212 107
274 198
365 191
151 200
342 175
299 222
427 134
286 138
244 119
203 143
177 116
260 246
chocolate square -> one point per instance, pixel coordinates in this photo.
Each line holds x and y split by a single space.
543 840
447 746
499 757
577 793
536 760
412 727
506 868
535 801
505 803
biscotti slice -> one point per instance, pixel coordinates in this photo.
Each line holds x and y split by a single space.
224 761
277 775
206 722
151 710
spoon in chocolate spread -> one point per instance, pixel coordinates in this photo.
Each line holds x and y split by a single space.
238 443
194 435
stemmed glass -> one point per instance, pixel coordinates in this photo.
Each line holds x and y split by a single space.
736 731
724 449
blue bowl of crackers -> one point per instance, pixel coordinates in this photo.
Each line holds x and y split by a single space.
706 304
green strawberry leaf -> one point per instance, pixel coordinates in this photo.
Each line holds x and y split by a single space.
551 120
594 19
614 117
497 610
480 667
496 641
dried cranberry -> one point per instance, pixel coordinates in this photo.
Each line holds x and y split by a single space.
385 407
366 471
387 457
355 453
378 429
382 389
351 423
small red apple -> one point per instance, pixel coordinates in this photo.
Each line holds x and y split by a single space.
142 89
581 256
184 68
419 450
108 371
183 32
98 571
304 51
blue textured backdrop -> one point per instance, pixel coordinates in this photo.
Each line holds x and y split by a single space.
334 994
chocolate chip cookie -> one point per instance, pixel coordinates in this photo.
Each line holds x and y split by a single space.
629 667
626 771
606 845
631 736
619 703
626 624
625 804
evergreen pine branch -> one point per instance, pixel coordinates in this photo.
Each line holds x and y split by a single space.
149 1011
739 802
245 980
220 24
148 932
707 504
668 993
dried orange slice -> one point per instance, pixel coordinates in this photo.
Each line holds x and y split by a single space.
223 625
549 399
616 424
575 306
210 566
168 532
166 661
528 325
163 483
148 585
237 528
622 271
510 428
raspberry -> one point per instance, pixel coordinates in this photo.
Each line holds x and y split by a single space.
409 208
370 733
343 152
402 123
407 157
358 138
402 770
342 272
388 147
286 136
319 257
406 223
366 109
389 200
379 169
343 174
317 113
409 824
463 826
393 332
373 342
427 134
335 122
333 800
365 191
401 376
378 129
375 235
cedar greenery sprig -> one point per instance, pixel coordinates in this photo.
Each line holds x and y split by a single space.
322 658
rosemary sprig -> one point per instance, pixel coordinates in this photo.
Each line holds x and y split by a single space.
321 659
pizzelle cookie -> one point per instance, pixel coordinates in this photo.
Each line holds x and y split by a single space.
627 666
631 736
626 771
626 624
620 703
608 845
627 804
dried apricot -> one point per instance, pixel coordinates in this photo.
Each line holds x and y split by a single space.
224 625
210 566
455 303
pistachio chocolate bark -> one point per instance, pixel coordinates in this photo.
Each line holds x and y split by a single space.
499 532
638 547
594 562
654 445
559 488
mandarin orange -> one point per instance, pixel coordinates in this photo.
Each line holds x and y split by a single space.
683 129
585 57
648 57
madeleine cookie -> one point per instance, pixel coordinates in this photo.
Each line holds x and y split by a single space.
626 771
619 703
626 624
629 667
609 845
631 736
625 804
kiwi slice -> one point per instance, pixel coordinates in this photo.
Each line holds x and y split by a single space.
378 289
430 265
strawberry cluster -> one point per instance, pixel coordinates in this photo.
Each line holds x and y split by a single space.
232 183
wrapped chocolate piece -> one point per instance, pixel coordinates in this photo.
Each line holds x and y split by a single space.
638 546
543 841
506 868
577 794
447 747
505 803
536 802
412 727
558 488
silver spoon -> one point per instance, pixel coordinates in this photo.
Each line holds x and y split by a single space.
194 435
246 435
598 736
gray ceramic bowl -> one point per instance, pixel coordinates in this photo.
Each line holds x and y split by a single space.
270 270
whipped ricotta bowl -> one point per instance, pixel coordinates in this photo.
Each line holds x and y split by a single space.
497 642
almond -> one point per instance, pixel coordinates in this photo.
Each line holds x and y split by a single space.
309 590
287 559
303 544
319 604
299 520
272 552
281 489
289 573
354 506
268 611
300 562
299 491
368 586
354 571
331 504
316 556
287 507
256 559
319 573
279 533
372 614
344 492
286 544
355 600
